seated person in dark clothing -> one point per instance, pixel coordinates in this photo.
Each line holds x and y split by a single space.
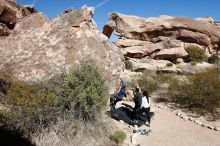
137 100
119 95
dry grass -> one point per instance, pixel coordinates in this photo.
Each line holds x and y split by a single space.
87 134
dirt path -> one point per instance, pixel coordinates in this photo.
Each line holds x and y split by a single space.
170 130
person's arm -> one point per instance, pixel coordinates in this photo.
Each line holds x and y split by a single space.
117 85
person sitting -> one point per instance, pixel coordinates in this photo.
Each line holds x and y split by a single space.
145 106
137 100
118 95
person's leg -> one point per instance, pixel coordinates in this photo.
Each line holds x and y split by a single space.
112 101
137 112
147 111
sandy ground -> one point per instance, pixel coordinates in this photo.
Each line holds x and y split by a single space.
170 130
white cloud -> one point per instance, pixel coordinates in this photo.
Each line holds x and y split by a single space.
34 2
101 4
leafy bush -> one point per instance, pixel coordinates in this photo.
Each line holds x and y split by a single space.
22 94
5 82
193 63
147 82
150 81
119 137
128 64
28 120
195 53
81 95
200 93
31 107
83 92
213 59
169 64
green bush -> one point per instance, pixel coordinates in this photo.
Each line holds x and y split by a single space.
193 63
83 92
150 81
31 107
200 93
195 53
22 94
213 59
5 83
169 64
119 137
128 64
80 95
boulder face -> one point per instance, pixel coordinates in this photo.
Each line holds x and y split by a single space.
181 28
164 37
39 48
11 13
171 54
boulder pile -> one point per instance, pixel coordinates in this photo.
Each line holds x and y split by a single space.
162 38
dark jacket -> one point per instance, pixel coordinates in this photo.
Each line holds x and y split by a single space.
122 91
137 100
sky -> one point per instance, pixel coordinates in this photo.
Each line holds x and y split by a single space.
142 8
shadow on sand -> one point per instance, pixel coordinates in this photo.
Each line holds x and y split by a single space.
126 114
8 138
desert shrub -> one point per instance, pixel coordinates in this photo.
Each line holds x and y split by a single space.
200 93
83 92
23 94
195 53
119 137
151 81
31 107
28 120
213 59
164 78
148 82
193 63
5 82
169 64
128 64
79 96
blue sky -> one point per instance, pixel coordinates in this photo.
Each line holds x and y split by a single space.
143 8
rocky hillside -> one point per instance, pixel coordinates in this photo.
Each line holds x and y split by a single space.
39 48
153 42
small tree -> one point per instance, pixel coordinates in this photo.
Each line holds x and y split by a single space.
83 92
195 53
128 64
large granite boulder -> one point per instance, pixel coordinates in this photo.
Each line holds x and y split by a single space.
140 65
182 28
140 49
171 54
39 48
